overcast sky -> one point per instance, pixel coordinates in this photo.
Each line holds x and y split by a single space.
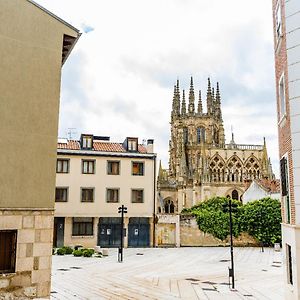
119 78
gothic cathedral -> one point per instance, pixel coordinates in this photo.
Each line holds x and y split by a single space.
201 164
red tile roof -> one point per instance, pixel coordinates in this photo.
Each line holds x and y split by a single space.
99 146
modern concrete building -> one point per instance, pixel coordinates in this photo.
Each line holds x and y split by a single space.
286 16
94 178
34 44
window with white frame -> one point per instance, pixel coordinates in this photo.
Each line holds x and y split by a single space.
282 100
284 178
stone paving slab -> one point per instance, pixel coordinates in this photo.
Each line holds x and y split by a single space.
174 273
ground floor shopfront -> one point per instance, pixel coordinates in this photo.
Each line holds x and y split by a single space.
103 231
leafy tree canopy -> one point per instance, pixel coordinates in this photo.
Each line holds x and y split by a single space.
260 218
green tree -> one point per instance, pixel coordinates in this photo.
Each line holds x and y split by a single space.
262 220
212 219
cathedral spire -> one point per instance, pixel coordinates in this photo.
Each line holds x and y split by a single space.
191 98
200 107
209 98
177 110
174 103
183 104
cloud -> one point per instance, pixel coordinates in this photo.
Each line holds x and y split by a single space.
119 78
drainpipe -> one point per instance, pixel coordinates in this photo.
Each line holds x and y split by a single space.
154 200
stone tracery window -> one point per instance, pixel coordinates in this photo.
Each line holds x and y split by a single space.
217 169
234 170
252 169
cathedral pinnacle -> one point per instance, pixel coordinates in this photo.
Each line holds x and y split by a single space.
183 106
200 107
209 98
191 98
218 103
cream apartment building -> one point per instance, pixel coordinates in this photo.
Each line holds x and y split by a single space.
94 178
286 16
34 44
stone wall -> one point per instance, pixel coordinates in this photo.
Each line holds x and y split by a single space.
32 274
192 236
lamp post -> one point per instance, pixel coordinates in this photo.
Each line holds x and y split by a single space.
230 207
121 210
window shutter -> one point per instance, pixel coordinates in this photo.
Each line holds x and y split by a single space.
283 175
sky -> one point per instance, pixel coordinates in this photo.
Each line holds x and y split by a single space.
119 79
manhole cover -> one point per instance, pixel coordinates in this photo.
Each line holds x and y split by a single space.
192 279
276 266
53 292
264 270
224 283
140 254
76 268
64 270
248 295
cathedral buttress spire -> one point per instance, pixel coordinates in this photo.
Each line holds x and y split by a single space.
218 103
191 98
183 104
200 107
209 98
177 111
174 103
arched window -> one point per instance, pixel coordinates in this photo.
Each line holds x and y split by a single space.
169 207
201 135
235 195
185 135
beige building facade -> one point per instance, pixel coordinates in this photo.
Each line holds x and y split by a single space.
201 164
34 44
286 21
94 178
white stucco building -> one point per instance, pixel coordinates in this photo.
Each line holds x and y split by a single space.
94 178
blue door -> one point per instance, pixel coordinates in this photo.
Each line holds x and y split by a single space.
109 232
139 232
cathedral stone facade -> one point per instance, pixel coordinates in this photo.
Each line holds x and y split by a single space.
201 164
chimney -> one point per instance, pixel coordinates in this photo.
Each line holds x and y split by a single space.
149 146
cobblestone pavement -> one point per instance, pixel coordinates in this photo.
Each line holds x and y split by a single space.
174 273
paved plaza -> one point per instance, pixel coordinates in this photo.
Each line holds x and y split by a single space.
174 273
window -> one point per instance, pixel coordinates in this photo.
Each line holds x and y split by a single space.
185 135
82 226
88 167
282 104
112 195
278 21
289 264
284 178
200 135
8 243
138 168
132 144
137 196
169 206
87 142
113 168
235 195
87 194
61 194
62 166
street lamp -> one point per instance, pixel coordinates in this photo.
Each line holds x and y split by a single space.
230 207
121 210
